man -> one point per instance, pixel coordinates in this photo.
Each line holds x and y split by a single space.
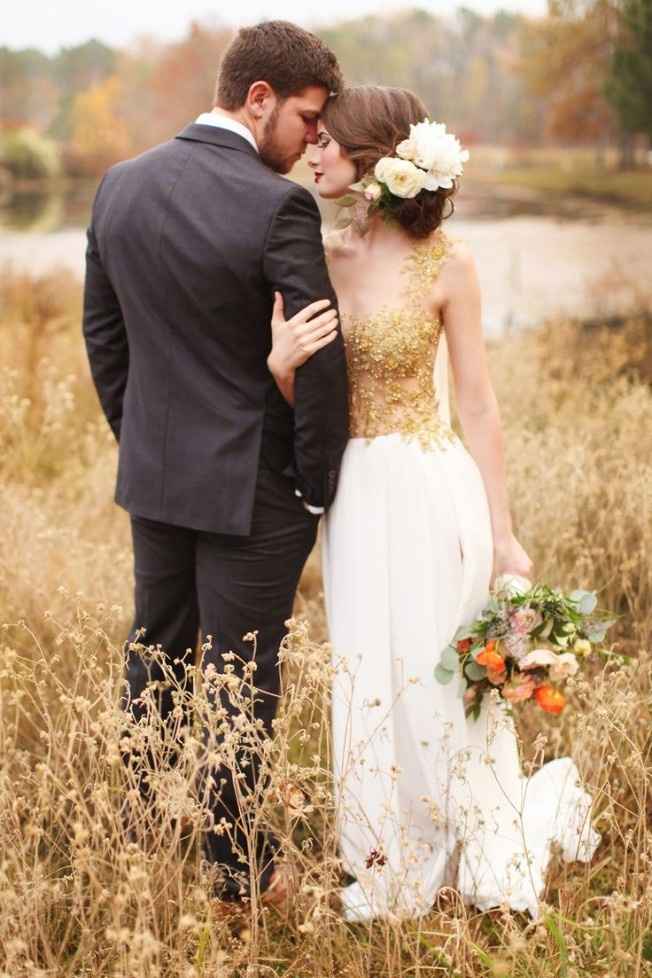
223 480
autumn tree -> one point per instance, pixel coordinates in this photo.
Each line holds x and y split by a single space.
461 66
37 91
29 95
565 59
75 70
99 136
179 84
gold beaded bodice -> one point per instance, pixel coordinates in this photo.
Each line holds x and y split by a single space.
391 357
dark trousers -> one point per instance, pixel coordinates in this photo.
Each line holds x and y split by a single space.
187 581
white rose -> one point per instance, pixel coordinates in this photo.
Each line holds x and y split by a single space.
381 168
402 178
566 665
538 657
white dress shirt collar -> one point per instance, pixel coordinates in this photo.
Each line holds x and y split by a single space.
224 122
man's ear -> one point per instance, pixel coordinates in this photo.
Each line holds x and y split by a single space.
258 98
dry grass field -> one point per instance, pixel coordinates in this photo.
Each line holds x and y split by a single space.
80 898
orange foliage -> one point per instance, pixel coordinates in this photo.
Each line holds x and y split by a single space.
99 134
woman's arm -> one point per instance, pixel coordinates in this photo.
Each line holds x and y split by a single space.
295 340
476 402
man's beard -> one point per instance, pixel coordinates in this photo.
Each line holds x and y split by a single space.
269 151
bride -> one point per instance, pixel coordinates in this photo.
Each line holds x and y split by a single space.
419 529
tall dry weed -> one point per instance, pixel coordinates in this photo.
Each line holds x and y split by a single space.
94 883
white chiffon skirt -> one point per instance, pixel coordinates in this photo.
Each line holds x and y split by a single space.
426 798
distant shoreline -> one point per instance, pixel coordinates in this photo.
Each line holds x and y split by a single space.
496 191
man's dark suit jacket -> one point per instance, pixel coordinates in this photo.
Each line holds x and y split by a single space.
186 245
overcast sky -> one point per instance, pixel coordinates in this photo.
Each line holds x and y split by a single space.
49 25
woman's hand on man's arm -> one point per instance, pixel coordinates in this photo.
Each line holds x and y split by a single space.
296 339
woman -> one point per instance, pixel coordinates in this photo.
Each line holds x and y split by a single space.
419 528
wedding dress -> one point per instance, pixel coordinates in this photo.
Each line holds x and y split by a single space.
424 797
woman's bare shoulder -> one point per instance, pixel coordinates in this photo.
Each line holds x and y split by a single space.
459 262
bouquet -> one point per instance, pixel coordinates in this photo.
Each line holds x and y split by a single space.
526 643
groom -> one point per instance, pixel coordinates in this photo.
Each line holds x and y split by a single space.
223 481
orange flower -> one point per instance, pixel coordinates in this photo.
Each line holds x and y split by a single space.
490 658
464 645
549 698
498 677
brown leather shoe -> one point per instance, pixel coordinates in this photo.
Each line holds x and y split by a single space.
230 911
185 824
335 902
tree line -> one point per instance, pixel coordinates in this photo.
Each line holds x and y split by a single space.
580 75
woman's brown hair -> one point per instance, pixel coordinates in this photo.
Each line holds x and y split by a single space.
368 122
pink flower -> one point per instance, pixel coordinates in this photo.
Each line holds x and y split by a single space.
524 620
373 192
516 646
519 689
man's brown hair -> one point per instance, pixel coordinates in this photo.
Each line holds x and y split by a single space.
288 58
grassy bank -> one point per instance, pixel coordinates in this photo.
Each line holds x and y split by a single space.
563 173
79 899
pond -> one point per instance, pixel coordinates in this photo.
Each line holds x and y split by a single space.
581 259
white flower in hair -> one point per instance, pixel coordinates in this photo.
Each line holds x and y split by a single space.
402 178
436 151
424 137
428 159
407 150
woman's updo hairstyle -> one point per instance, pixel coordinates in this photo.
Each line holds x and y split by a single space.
368 122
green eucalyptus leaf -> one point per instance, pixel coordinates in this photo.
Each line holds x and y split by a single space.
585 601
588 603
442 675
449 658
474 671
596 633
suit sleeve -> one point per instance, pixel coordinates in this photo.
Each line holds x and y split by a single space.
294 263
105 336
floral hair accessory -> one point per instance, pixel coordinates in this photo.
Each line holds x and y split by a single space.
428 159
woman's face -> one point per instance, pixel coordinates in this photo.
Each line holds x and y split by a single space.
333 170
